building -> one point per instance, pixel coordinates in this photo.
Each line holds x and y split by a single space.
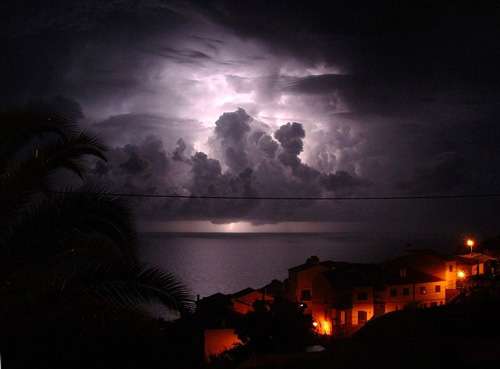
346 297
244 300
222 306
408 286
474 264
430 263
300 280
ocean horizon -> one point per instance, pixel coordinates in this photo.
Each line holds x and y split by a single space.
208 263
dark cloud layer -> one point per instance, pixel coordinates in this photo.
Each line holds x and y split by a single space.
337 97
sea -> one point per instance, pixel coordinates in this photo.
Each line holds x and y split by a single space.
208 263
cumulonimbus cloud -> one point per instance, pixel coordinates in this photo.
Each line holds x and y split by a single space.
250 160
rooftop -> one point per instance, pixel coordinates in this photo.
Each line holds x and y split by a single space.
409 275
473 258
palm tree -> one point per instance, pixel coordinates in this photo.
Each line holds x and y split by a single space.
56 243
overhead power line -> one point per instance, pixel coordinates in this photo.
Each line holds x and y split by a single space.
308 198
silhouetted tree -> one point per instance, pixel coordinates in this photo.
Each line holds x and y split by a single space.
66 255
279 327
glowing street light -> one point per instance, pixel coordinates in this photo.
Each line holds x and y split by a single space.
461 274
315 324
470 243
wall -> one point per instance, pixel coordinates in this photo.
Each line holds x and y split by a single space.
303 280
425 300
399 301
216 341
362 305
451 275
321 303
470 269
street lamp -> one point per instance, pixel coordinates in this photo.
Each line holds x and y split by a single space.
470 243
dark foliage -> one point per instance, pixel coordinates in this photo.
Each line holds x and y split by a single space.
282 327
72 289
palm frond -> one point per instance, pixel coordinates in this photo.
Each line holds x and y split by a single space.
145 285
20 179
68 153
62 219
20 126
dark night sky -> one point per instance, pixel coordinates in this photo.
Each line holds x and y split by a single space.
382 98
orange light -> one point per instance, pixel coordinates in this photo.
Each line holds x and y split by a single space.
461 274
315 324
326 327
470 242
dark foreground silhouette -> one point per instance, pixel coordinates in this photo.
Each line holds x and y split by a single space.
72 291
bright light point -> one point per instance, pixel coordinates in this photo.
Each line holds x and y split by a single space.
461 274
470 242
315 324
326 327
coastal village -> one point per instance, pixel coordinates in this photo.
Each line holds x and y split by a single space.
341 297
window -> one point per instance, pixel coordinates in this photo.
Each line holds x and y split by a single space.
437 288
394 292
362 296
450 268
362 317
406 291
306 295
342 317
423 290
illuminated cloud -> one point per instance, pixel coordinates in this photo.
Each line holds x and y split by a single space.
388 103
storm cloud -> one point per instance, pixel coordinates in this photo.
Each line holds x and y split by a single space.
248 167
335 99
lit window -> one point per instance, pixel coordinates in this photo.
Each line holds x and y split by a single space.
437 288
394 292
423 290
406 291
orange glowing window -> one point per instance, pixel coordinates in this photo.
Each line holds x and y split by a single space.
326 327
